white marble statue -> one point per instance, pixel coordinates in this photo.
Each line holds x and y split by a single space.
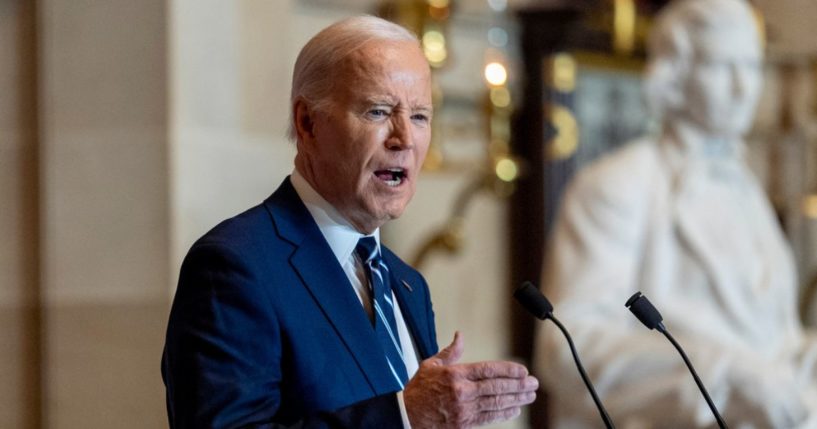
679 217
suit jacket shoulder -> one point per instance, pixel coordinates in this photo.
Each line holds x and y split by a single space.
620 176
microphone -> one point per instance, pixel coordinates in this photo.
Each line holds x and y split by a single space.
532 299
643 309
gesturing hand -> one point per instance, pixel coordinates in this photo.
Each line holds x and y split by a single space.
444 394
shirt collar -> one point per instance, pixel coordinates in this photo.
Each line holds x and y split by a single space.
339 233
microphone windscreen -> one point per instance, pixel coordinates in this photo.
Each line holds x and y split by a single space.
529 296
644 310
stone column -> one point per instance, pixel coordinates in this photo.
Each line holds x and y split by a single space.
104 198
20 352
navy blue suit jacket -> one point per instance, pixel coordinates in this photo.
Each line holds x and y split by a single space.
266 331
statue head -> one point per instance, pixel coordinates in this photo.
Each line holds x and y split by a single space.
704 67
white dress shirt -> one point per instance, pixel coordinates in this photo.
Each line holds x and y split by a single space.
342 238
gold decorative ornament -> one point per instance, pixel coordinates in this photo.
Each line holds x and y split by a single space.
566 140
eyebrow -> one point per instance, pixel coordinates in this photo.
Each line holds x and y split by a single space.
423 109
378 99
391 101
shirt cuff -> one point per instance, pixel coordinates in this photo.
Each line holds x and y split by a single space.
403 412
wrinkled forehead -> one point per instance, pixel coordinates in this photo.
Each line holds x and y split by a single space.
379 57
383 63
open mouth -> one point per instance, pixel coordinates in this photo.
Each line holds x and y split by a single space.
392 177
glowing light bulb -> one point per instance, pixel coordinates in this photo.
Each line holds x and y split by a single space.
507 170
497 37
500 97
496 74
434 46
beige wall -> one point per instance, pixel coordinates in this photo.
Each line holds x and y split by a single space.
104 210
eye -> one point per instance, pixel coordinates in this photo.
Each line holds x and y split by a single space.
421 118
377 113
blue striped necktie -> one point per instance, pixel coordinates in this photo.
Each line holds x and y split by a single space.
384 324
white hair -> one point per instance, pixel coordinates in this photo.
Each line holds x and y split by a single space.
677 33
315 69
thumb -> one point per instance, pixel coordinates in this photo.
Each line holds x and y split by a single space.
452 353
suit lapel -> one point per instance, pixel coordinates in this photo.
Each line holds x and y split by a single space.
691 219
411 303
686 211
326 281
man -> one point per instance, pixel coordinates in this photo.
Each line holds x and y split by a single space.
291 314
680 218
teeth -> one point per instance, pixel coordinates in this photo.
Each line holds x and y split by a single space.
397 174
395 182
394 178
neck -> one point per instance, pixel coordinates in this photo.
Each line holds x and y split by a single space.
340 215
695 141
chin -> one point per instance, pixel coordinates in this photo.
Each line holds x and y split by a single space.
740 125
375 214
735 131
729 129
392 211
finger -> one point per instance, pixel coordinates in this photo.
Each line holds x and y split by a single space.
503 402
501 386
452 353
495 369
488 417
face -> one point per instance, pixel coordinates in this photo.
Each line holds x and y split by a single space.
724 81
364 151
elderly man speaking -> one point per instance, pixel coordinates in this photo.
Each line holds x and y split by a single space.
292 314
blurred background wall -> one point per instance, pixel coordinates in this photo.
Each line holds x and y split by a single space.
128 129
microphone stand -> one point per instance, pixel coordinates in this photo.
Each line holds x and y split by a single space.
608 423
722 424
532 299
641 307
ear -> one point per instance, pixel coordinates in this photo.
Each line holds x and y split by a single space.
303 116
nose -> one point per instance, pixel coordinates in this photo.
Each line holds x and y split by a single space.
400 136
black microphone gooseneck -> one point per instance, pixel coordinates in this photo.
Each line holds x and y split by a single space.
643 309
532 299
